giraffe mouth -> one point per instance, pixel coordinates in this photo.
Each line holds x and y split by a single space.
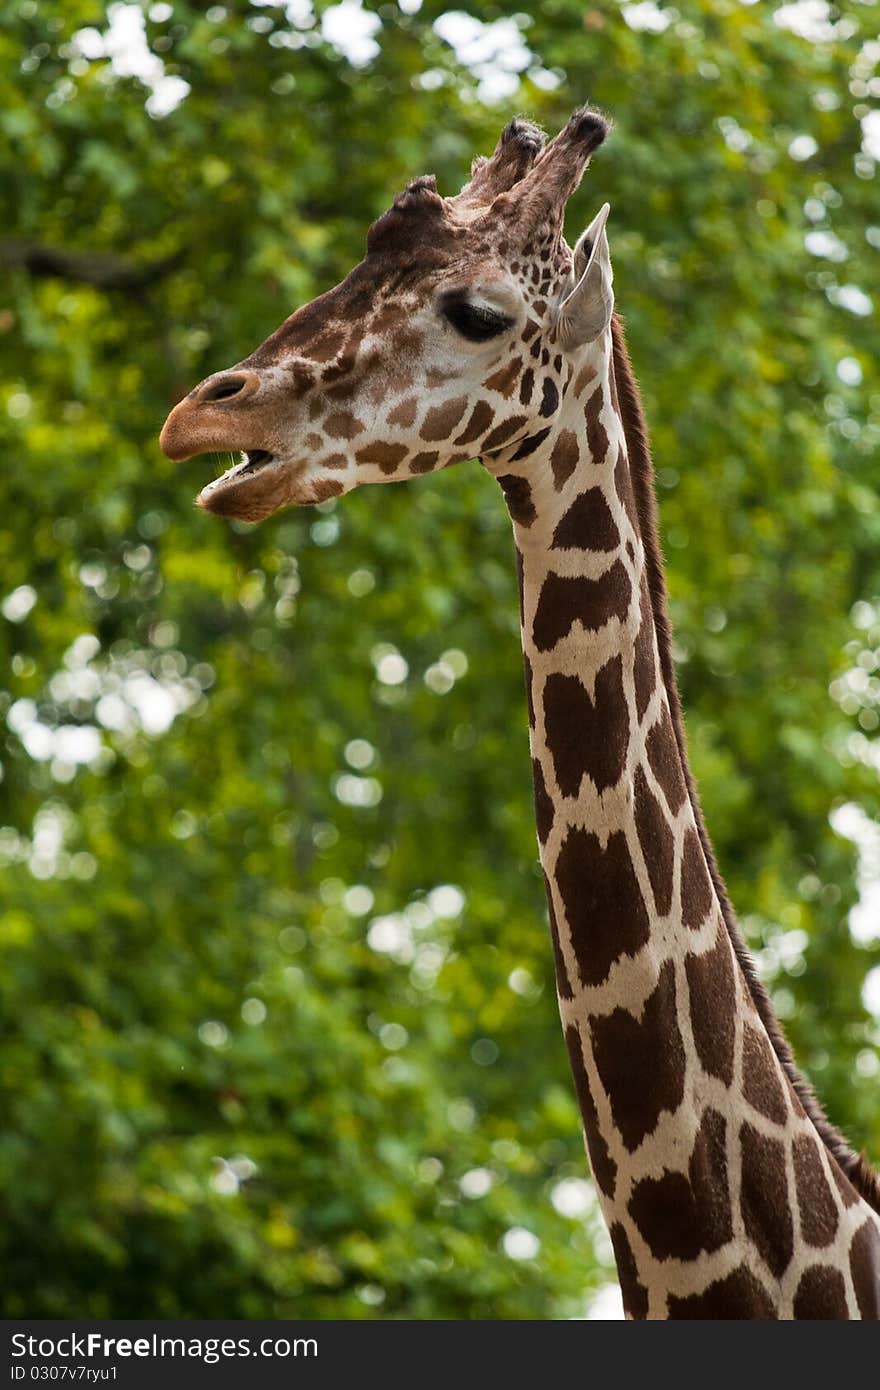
252 461
251 490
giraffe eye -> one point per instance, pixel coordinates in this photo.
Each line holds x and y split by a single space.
475 322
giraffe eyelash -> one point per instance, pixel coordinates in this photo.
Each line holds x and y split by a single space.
474 322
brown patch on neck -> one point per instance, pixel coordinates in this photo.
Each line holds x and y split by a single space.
635 1295
864 1259
603 1165
738 1297
853 1165
586 735
765 1199
679 1215
566 600
518 496
629 1049
821 1294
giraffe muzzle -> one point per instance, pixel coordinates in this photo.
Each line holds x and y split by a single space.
217 415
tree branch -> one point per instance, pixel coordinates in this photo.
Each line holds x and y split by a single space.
103 269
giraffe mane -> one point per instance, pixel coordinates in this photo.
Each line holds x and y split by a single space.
854 1166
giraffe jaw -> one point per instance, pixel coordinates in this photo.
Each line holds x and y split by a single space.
249 491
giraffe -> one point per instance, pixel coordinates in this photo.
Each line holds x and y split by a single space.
472 330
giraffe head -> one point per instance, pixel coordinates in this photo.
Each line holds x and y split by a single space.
453 338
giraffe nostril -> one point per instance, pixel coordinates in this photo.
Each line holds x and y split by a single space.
227 386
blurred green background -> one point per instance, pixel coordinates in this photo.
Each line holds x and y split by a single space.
279 1032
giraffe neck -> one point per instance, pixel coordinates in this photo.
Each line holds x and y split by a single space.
720 1196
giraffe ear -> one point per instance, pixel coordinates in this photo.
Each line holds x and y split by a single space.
586 313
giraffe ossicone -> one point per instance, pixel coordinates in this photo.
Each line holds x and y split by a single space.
472 330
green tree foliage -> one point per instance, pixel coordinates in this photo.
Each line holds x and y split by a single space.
279 1030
